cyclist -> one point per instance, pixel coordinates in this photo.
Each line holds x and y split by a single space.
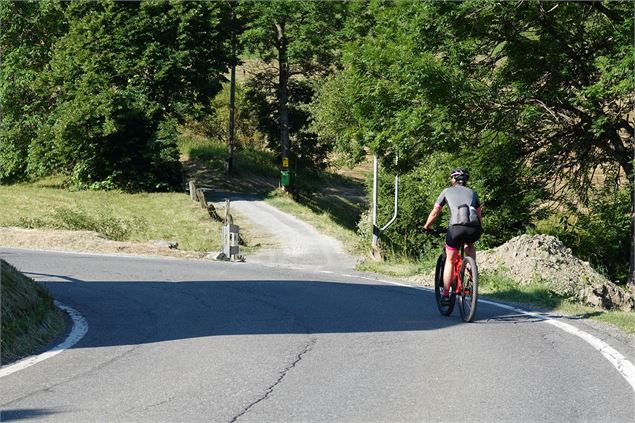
464 226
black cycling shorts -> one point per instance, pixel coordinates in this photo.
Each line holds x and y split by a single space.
458 235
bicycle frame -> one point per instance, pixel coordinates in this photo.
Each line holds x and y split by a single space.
456 271
466 293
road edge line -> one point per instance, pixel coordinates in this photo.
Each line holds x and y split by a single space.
618 360
621 363
80 327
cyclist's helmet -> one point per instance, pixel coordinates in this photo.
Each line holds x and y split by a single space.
460 175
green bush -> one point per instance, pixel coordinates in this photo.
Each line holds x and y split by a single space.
505 191
598 232
108 140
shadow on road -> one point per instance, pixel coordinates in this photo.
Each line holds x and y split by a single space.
24 414
139 312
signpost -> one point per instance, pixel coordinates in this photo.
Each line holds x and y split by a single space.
376 251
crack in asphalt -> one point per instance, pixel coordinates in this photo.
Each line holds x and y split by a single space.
308 347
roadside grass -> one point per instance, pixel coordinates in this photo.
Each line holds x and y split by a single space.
341 197
537 294
30 320
399 265
115 215
323 221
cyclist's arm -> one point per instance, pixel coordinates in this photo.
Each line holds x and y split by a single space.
434 214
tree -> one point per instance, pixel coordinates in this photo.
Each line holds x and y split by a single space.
550 85
118 78
299 37
27 34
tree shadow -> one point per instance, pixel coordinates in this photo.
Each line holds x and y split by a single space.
343 198
140 312
24 414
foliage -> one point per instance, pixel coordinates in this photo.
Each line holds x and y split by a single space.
259 161
598 232
532 97
114 80
441 75
298 40
25 50
507 197
215 125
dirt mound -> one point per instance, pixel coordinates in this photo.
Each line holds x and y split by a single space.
530 257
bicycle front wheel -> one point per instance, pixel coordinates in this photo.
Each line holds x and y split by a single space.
469 293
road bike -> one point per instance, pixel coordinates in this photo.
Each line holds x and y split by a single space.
464 283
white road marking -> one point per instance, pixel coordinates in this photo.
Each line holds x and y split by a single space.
621 363
80 327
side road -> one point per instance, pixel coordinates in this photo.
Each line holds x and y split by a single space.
298 244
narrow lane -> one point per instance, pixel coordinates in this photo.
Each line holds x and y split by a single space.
300 244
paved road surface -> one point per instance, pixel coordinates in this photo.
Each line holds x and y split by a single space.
196 341
295 335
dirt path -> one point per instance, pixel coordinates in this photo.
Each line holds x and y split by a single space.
298 244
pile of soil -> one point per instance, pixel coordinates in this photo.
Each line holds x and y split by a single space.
529 258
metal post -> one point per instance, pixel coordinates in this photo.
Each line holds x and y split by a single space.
376 230
375 183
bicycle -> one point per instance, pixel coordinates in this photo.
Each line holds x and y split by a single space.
464 283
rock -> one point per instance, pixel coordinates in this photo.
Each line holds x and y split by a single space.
220 256
172 245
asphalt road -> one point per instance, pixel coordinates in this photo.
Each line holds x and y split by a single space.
198 341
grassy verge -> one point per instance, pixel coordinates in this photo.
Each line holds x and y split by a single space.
398 266
537 294
116 215
322 221
30 320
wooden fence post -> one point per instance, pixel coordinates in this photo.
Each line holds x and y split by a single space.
192 190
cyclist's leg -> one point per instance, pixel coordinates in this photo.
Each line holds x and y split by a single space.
470 251
471 236
448 271
451 250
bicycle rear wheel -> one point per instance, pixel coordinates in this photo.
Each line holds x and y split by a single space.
469 293
444 309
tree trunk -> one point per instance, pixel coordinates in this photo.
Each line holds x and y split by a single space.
232 105
631 268
283 80
622 154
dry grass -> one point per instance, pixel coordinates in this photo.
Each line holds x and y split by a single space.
30 320
117 216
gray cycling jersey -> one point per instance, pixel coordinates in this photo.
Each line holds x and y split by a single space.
462 202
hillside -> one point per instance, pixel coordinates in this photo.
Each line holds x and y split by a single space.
30 319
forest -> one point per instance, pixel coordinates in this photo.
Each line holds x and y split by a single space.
535 99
